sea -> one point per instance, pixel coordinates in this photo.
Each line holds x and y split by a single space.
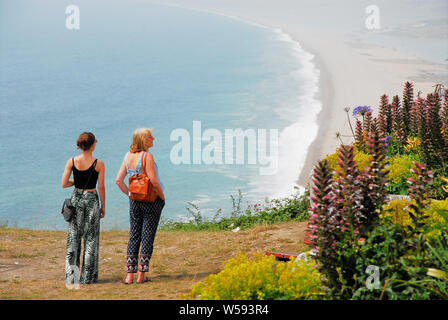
110 67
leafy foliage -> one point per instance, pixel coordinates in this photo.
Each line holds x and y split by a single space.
407 148
294 207
397 212
399 172
260 278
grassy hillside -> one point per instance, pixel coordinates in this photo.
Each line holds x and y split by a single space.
32 262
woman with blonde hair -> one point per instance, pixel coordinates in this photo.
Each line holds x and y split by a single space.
85 223
144 216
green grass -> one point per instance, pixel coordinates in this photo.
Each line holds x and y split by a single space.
292 208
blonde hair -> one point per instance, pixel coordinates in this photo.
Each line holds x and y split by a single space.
139 140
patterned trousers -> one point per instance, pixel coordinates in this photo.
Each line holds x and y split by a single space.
85 223
144 220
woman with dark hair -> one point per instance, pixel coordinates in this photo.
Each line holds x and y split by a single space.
144 216
85 223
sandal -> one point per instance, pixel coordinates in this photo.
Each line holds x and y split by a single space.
146 279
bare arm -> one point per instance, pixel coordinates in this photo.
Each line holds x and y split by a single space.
119 180
101 187
151 172
66 183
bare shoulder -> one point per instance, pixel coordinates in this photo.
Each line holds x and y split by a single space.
150 156
69 163
100 165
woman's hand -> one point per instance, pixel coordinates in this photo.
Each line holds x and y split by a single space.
151 172
102 213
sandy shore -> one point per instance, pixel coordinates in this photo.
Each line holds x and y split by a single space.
354 70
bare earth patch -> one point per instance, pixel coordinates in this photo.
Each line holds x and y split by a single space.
32 262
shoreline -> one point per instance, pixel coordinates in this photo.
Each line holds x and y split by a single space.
353 70
323 95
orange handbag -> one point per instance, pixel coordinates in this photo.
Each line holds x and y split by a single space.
140 186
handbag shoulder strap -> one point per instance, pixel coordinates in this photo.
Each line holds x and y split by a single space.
143 165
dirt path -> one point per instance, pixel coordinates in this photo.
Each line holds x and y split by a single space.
32 262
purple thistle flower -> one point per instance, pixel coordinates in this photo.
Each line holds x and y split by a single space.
362 110
387 140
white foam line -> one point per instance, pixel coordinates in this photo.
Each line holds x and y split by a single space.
295 139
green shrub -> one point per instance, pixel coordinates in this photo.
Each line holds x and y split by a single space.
440 186
362 159
407 271
399 172
437 275
294 207
411 252
259 278
397 211
384 248
395 147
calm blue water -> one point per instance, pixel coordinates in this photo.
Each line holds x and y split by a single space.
131 64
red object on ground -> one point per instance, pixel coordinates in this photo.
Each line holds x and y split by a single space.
283 256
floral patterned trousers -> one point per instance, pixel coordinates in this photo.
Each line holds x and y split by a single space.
85 223
144 219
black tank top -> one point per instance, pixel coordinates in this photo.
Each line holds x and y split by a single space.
81 176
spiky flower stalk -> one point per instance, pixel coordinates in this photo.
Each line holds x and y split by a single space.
444 117
367 121
408 102
374 180
423 133
420 119
384 115
324 224
348 193
413 123
419 190
434 124
359 136
397 121
320 226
